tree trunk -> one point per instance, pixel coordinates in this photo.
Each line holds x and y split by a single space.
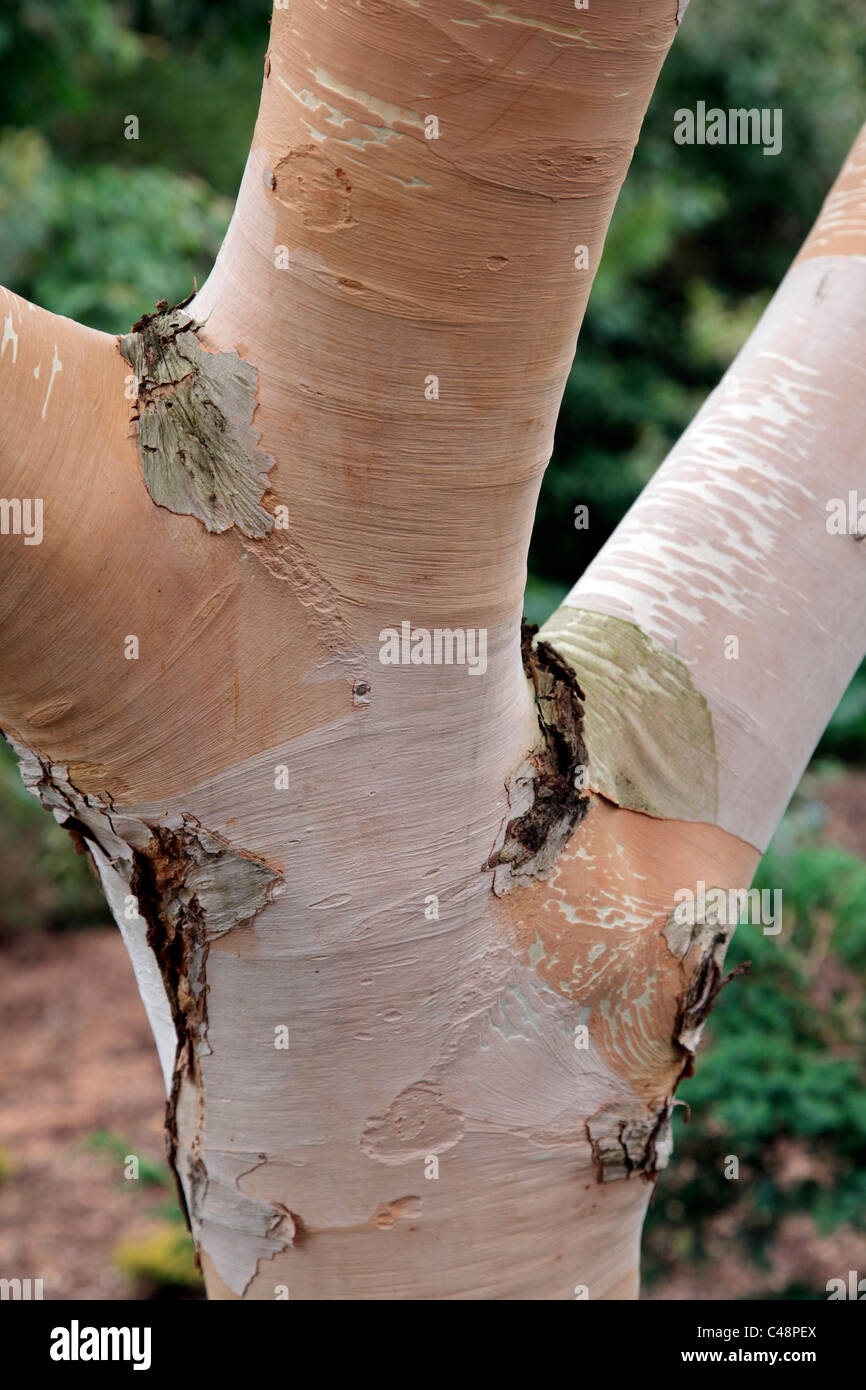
406 926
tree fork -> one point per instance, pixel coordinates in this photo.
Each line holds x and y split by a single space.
399 295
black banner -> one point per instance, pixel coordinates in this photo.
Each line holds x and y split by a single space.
197 1339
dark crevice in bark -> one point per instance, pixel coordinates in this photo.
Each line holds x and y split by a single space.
696 1004
179 944
626 1140
555 773
630 1140
191 888
188 887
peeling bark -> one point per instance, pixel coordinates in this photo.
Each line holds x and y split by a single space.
189 888
199 454
700 944
524 1042
192 888
550 782
624 1142
629 1139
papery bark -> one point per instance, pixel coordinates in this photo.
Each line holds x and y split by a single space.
308 838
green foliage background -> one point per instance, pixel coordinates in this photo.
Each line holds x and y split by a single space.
698 243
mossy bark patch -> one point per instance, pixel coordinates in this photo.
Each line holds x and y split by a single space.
648 732
199 453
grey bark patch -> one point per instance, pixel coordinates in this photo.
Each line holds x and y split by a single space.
547 790
648 731
188 887
234 1229
199 453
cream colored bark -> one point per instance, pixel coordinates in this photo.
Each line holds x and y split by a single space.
304 845
744 555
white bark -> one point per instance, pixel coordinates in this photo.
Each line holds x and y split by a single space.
420 1037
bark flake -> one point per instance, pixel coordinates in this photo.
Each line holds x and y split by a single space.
700 941
547 790
193 414
626 1141
173 888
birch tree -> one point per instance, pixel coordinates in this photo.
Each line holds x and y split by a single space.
426 909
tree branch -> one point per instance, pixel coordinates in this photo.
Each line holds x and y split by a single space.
733 561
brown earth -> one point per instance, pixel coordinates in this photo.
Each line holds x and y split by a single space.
78 1059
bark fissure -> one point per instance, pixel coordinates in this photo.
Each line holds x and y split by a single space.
548 788
690 931
624 1143
177 936
188 887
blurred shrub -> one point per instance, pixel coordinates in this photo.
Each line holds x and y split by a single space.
163 1259
161 1262
150 1173
46 884
845 735
783 1072
102 244
699 240
95 225
541 598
